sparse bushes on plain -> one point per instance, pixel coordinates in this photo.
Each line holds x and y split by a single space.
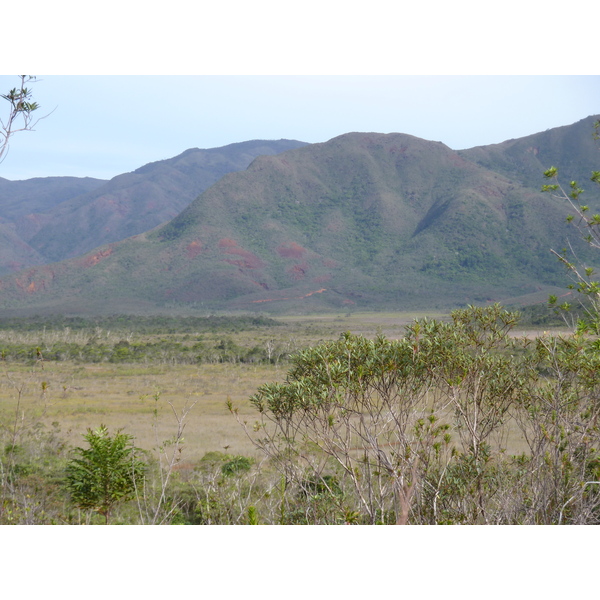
455 422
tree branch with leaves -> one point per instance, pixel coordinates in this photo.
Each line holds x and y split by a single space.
588 225
21 111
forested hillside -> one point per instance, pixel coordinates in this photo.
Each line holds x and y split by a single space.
365 220
55 218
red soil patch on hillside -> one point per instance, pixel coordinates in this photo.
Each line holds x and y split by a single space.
193 249
298 271
247 260
291 250
488 190
30 284
34 219
398 149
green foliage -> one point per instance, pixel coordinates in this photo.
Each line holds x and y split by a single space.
31 474
237 465
415 430
583 277
21 109
106 473
137 324
456 422
18 99
129 339
252 516
183 224
318 486
543 315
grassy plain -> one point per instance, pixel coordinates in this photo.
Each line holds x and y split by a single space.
72 396
141 397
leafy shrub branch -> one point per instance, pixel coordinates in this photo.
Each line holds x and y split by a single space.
588 224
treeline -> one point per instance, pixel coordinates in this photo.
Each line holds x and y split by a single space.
221 350
127 338
146 325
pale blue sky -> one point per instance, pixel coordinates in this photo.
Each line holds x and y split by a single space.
464 73
102 126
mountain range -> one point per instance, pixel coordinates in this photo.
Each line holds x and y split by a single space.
50 219
363 221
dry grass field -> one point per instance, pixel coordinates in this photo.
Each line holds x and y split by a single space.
141 398
124 396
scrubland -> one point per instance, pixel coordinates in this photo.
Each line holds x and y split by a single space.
324 419
80 394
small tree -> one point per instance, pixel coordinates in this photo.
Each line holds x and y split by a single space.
560 420
475 366
399 431
106 473
353 415
20 114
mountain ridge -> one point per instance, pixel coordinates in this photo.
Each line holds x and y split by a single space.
363 221
126 205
